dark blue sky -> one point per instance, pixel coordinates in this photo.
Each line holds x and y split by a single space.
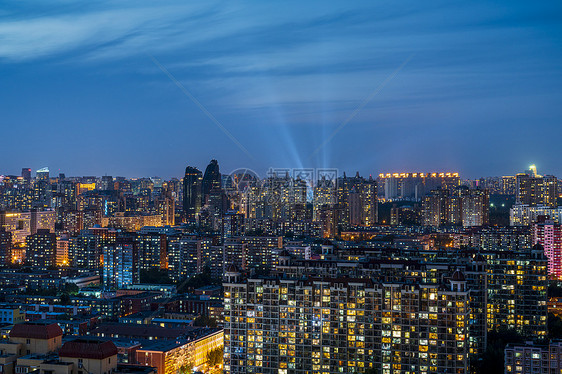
473 87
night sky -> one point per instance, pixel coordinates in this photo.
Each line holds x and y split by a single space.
94 89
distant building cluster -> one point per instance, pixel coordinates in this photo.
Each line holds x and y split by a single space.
299 271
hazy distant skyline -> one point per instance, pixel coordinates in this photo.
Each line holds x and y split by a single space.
479 91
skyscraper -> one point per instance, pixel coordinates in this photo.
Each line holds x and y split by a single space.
192 184
211 179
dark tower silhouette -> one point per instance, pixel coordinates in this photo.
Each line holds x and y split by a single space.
211 180
26 174
192 183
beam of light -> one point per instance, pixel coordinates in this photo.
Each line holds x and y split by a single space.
200 106
362 105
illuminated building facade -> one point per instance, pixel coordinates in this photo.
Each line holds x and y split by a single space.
73 221
85 249
536 190
5 247
19 224
533 358
548 234
169 356
235 251
517 284
494 238
189 255
261 252
327 219
152 251
26 174
166 208
194 255
324 196
63 246
413 186
42 174
461 206
507 287
525 215
43 220
232 224
131 222
41 250
508 185
120 263
335 325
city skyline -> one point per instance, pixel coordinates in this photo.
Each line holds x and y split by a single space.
374 86
280 187
275 170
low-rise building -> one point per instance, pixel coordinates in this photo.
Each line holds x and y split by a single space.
11 315
90 356
532 358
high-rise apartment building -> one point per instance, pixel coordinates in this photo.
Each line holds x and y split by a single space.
120 263
232 225
335 325
42 174
533 358
536 190
492 238
152 251
508 185
5 247
415 185
63 247
548 234
262 251
85 249
26 174
235 251
461 206
41 250
525 215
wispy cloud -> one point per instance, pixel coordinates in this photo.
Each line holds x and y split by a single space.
46 35
271 66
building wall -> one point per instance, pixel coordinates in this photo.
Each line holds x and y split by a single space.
203 346
39 346
286 326
92 366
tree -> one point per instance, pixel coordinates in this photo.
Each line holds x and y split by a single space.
492 361
204 321
198 280
554 326
554 290
186 368
71 288
155 276
215 356
65 299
